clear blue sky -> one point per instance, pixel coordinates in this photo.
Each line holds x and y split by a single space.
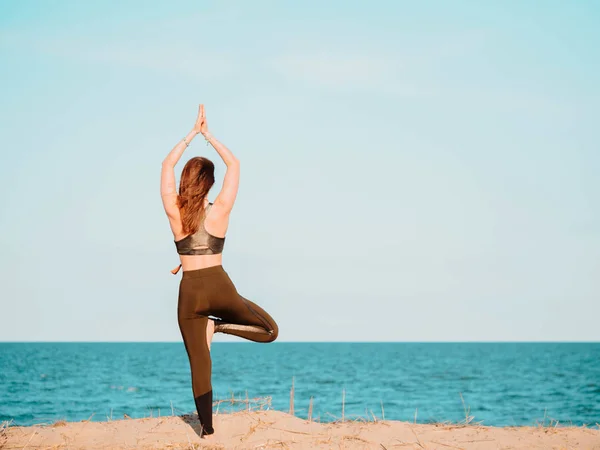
411 171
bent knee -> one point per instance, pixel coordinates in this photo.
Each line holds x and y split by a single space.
273 333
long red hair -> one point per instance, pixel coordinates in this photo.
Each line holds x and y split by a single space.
197 177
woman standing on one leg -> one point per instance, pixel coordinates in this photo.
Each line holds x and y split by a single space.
199 229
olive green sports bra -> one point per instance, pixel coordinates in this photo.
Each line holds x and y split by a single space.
200 243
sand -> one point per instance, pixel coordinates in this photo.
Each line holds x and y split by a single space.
275 429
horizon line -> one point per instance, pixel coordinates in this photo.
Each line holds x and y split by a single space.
313 342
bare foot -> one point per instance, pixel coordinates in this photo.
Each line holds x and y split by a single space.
208 436
210 331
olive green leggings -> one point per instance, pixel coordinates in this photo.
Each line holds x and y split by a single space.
210 291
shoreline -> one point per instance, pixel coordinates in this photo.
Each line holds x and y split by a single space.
277 429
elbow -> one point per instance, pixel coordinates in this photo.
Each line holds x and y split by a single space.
233 162
167 162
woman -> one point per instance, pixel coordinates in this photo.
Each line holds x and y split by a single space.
199 229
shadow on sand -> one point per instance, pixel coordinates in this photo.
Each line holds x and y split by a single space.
193 422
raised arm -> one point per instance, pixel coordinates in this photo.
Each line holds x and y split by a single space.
168 188
226 198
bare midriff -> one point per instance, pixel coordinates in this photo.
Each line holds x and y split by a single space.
193 262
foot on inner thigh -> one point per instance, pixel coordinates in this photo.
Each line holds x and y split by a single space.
210 330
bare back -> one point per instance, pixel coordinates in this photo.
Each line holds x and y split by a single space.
215 223
217 218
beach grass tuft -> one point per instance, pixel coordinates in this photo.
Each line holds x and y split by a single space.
468 417
547 422
248 404
3 432
59 423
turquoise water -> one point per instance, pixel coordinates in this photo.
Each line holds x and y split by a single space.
503 384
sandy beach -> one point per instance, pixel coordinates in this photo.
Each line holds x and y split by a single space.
275 429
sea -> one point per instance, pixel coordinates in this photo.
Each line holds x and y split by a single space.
500 384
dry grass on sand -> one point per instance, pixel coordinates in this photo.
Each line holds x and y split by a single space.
276 429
